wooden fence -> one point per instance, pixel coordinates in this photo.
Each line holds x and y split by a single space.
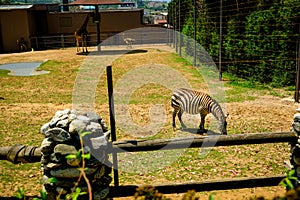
141 36
209 141
179 143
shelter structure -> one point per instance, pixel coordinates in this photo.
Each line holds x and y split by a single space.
20 22
46 26
97 18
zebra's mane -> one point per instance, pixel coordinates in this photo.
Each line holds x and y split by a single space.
218 113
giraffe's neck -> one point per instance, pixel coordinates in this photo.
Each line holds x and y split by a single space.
86 20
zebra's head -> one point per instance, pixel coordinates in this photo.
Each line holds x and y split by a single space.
223 125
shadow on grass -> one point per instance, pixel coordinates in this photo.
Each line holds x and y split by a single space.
200 133
115 52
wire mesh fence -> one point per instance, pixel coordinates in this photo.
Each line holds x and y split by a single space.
256 40
139 36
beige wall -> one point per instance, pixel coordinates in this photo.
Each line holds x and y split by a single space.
111 22
14 25
66 23
119 21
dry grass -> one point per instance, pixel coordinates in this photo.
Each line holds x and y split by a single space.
29 102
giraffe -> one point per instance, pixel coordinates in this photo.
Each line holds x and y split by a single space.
81 34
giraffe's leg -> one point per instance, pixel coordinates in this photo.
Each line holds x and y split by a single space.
77 45
82 45
86 50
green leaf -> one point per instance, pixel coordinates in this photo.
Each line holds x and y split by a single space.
282 183
71 156
289 184
52 180
78 154
43 194
87 156
84 133
20 194
291 173
68 196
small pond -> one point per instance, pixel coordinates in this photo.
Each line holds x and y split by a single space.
23 69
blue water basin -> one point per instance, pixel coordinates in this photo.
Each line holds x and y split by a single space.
23 69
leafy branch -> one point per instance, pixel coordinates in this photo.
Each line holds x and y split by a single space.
288 181
82 156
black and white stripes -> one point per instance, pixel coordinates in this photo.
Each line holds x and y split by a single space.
194 102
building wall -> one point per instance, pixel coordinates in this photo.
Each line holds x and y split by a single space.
111 21
27 23
121 20
14 25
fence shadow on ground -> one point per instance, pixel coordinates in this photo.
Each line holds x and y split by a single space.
202 133
109 52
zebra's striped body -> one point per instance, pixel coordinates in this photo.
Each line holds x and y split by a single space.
194 102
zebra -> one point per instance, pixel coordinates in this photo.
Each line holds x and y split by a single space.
194 102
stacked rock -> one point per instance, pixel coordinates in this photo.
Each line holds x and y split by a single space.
69 135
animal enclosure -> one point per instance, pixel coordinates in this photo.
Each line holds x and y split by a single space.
248 115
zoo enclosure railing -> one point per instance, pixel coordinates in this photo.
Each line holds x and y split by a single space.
141 36
33 155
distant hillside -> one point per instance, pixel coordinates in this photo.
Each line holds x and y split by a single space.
153 4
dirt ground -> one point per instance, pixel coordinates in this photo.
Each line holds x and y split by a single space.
271 113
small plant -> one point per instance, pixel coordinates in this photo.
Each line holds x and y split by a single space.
75 194
82 156
20 194
211 197
288 181
191 195
148 193
43 194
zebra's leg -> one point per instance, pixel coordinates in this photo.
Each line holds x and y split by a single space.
201 129
180 119
174 116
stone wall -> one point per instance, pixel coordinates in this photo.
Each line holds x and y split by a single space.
69 136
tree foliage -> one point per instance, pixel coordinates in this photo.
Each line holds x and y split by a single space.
259 37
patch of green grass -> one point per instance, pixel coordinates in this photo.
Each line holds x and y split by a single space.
239 82
276 94
4 72
240 90
50 65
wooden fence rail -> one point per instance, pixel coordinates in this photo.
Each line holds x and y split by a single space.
224 184
165 144
207 141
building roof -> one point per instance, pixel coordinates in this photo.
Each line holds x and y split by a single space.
96 2
15 7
